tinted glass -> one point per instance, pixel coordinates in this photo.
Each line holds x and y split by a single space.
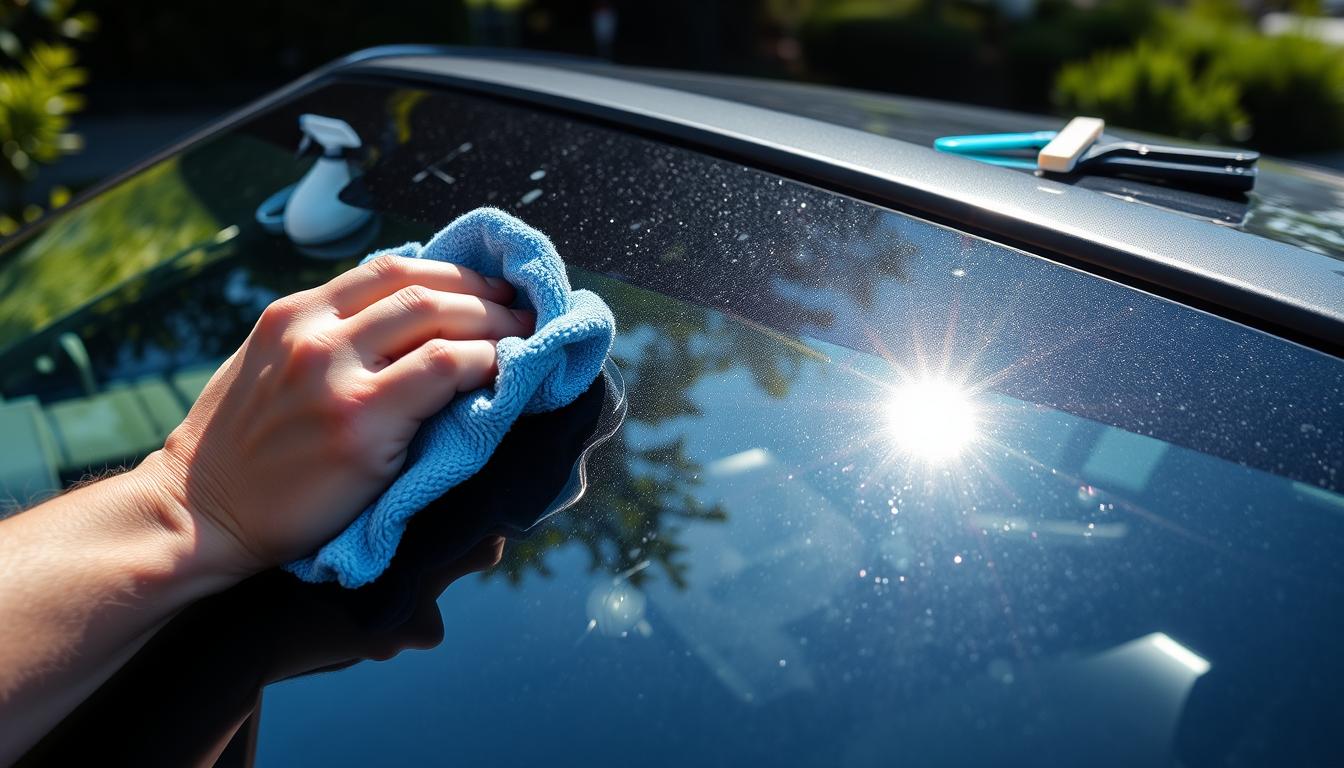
1292 203
885 492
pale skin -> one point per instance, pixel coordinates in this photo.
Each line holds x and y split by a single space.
295 434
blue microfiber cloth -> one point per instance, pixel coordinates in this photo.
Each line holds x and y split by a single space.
546 371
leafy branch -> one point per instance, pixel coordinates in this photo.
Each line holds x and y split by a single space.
38 96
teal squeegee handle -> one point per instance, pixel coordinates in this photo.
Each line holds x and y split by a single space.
993 142
1006 161
983 146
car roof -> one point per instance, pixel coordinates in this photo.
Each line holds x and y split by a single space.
1292 202
1276 286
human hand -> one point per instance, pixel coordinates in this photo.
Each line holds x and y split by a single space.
310 419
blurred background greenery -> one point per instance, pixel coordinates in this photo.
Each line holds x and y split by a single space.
128 77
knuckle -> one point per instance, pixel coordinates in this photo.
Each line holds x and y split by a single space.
279 314
416 299
346 443
357 448
441 357
343 424
360 389
339 411
308 351
387 266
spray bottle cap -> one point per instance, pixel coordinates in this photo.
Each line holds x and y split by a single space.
334 136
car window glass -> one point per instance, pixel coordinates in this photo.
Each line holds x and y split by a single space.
882 484
1292 202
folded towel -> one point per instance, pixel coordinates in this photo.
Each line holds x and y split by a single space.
546 371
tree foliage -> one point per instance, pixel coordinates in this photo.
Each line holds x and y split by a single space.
1206 73
38 94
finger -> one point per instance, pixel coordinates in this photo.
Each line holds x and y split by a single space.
356 289
424 380
394 325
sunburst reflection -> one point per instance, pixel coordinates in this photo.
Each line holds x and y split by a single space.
931 419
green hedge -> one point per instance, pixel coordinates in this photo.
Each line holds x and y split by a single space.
1153 88
1216 80
1201 72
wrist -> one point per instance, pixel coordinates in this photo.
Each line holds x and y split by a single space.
202 556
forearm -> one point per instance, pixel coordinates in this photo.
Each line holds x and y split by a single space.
293 436
87 578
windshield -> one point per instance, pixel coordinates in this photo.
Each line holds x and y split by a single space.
884 492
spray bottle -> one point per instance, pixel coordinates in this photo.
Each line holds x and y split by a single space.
314 213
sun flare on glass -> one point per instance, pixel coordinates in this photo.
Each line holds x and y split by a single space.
931 419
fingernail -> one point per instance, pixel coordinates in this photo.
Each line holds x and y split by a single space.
526 317
496 282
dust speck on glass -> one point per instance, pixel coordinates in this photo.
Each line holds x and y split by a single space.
885 490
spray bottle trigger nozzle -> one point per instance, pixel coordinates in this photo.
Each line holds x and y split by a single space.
334 136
